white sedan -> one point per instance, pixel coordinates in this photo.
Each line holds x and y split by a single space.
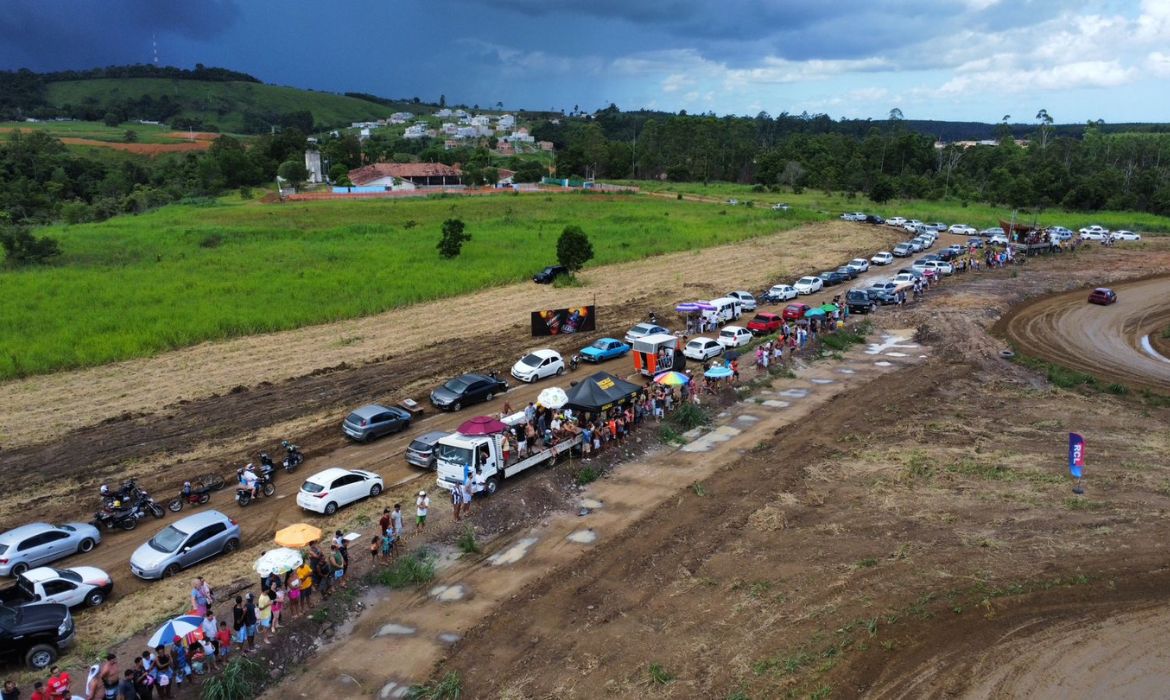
962 230
896 221
1094 232
882 258
734 336
1125 236
702 349
326 491
859 264
782 292
538 364
809 285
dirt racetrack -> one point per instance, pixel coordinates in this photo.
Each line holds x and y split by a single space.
1111 342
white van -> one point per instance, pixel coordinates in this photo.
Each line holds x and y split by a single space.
726 309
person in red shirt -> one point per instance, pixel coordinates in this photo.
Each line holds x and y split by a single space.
39 692
58 683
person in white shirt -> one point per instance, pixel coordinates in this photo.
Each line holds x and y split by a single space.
421 504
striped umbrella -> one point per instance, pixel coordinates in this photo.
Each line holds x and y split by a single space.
672 378
188 627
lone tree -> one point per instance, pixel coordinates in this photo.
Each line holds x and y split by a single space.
294 172
23 248
574 249
881 191
453 238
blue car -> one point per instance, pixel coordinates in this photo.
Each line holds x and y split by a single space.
604 349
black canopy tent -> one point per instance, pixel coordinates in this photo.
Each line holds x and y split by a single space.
600 392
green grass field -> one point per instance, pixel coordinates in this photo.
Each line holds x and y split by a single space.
96 131
137 286
949 211
221 103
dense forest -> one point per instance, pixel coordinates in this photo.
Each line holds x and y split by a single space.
1089 167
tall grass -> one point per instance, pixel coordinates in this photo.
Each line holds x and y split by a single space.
408 570
240 680
136 286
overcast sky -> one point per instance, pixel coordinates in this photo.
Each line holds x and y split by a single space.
933 59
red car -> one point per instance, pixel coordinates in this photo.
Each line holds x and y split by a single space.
764 323
1103 296
795 312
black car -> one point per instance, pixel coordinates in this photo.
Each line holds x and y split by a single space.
947 255
831 278
851 272
884 297
375 420
35 635
548 274
467 389
874 219
859 302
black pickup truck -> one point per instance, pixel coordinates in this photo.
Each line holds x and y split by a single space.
35 635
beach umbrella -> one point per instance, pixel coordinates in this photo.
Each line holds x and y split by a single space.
553 397
672 378
297 536
687 308
188 627
718 373
829 308
482 425
814 312
278 561
704 306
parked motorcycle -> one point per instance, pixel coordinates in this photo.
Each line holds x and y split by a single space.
110 518
294 457
574 362
192 495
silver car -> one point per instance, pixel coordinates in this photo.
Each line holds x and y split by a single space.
421 451
186 543
28 546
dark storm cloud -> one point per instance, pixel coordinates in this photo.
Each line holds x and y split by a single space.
54 34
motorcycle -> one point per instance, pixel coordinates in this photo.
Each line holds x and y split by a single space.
574 362
190 495
266 487
110 517
132 497
294 457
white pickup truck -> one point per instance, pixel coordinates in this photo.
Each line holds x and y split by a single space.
457 455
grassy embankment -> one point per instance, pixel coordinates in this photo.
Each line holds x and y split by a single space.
97 131
136 286
949 211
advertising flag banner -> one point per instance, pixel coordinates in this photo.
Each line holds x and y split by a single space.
575 319
1076 455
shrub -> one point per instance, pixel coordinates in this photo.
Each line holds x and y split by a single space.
659 675
467 543
688 416
23 248
412 569
586 475
240 680
449 687
454 236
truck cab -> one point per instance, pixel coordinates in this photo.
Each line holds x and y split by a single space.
457 457
35 634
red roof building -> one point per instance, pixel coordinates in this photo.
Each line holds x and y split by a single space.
420 174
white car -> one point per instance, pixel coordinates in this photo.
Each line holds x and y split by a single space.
702 349
80 585
734 336
809 285
1094 229
896 221
326 491
641 331
998 239
1125 236
937 226
853 216
780 206
912 225
990 231
746 301
883 257
962 230
859 264
782 292
539 364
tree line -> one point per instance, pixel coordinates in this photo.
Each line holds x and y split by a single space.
1086 167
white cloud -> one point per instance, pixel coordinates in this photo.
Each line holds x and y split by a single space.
1158 63
675 82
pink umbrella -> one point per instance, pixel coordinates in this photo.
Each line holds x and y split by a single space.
482 425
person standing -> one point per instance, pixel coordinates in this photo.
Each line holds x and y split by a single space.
422 504
396 521
205 588
264 614
58 684
457 502
305 575
278 597
340 562
467 490
199 602
109 676
343 547
250 621
384 521
163 671
239 628
10 691
126 689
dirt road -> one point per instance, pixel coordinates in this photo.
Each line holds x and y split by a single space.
1107 341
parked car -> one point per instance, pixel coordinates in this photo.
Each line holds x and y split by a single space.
1103 296
734 336
780 206
849 272
859 264
549 274
912 225
961 229
830 278
916 245
853 216
883 257
882 296
375 420
896 221
765 323
36 544
975 243
885 286
35 635
925 241
539 364
991 231
1059 233
781 292
874 219
604 349
746 300
1125 236
186 543
330 489
421 450
642 330
998 239
1096 230
702 349
81 585
467 389
859 302
903 250
795 312
733 201
809 285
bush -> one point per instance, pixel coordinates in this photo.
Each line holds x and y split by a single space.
240 680
23 248
688 416
466 541
449 687
454 236
413 569
586 475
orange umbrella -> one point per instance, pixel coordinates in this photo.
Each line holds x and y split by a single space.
298 535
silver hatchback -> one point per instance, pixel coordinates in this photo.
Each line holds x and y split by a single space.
36 544
186 543
421 451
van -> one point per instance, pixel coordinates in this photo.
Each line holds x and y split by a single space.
726 309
